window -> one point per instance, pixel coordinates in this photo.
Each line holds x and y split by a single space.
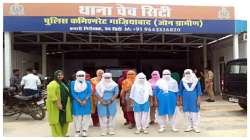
234 69
243 69
238 69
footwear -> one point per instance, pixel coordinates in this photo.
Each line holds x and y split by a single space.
152 122
126 123
84 134
196 130
188 129
131 126
77 134
111 132
138 131
104 133
96 125
161 130
145 131
174 129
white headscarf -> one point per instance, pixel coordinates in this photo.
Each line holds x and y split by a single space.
141 89
167 83
191 78
80 82
105 84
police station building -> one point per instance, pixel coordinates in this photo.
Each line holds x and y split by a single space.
113 36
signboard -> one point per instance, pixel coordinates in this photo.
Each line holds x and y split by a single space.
95 24
98 17
119 10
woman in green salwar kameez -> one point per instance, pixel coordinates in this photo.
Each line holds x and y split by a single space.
58 105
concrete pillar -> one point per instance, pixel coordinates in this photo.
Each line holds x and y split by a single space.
236 46
44 60
204 53
7 58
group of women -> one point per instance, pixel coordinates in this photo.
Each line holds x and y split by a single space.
138 98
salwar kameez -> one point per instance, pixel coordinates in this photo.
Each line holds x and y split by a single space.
140 93
107 91
166 107
94 113
58 130
81 91
190 91
166 95
58 124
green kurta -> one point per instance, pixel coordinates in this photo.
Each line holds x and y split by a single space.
53 90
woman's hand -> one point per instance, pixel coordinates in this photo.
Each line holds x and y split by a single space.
59 105
83 102
103 102
113 98
131 103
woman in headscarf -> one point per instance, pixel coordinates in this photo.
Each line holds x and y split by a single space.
58 105
106 92
190 92
124 109
140 92
166 94
94 82
125 93
80 90
155 76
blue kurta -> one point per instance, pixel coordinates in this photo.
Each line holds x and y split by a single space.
141 107
166 102
189 98
77 109
154 89
108 110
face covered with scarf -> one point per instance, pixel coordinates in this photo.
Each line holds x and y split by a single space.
141 89
105 84
124 73
128 82
155 76
166 75
167 83
189 78
80 83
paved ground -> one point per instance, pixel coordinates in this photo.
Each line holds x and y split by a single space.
220 118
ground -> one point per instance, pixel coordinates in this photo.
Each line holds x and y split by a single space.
218 119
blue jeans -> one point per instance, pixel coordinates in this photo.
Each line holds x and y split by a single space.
29 92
